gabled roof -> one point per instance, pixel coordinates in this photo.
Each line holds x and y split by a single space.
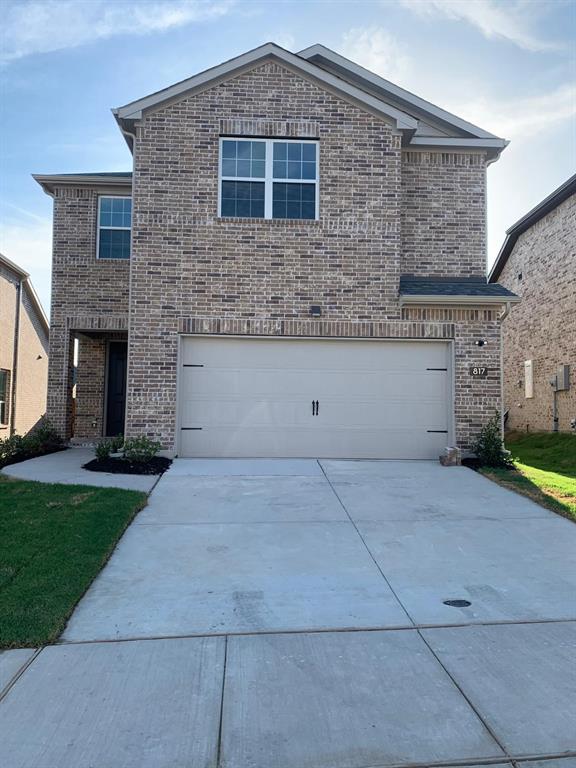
419 108
25 278
563 192
421 123
127 114
452 290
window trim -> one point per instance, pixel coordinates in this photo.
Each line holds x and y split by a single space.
98 227
6 398
268 178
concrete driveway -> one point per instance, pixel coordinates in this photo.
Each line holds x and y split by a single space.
292 614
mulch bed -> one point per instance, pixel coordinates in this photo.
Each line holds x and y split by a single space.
155 466
476 464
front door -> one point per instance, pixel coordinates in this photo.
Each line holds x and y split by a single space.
116 393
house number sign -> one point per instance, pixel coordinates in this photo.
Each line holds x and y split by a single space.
478 371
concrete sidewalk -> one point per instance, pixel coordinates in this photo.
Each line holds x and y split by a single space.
66 467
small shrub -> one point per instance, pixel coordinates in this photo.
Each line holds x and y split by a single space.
140 449
10 448
103 449
117 443
489 447
41 439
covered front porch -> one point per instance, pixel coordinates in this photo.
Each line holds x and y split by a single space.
87 377
99 390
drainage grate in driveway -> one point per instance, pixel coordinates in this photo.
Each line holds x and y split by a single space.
458 603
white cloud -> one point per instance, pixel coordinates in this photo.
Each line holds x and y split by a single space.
508 21
377 50
520 118
29 244
42 26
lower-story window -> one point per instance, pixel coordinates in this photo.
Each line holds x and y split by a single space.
3 396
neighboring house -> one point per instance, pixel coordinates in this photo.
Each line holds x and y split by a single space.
296 267
23 352
538 262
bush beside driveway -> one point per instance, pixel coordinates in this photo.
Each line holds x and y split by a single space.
54 540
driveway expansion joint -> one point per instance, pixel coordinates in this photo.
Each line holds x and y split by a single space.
466 697
318 631
14 679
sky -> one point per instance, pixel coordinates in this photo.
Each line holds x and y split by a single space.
508 66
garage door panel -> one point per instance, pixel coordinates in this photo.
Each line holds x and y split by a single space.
378 444
263 353
253 397
285 414
284 382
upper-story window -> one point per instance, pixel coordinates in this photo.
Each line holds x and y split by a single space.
269 178
114 225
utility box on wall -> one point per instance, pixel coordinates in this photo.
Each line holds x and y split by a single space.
528 379
563 378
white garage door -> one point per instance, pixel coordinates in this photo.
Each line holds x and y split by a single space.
313 398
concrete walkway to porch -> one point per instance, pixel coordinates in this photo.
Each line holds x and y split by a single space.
66 467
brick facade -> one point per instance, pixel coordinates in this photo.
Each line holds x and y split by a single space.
542 328
87 294
384 211
31 373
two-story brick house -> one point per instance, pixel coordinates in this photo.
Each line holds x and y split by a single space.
295 267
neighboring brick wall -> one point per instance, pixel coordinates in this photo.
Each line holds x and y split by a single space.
542 328
82 287
8 297
32 375
443 213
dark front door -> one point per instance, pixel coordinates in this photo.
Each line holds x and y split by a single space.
116 395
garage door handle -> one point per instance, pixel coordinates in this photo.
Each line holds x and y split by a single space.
315 407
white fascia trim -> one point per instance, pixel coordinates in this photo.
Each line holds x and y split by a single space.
479 144
25 279
49 182
435 299
38 306
395 90
134 110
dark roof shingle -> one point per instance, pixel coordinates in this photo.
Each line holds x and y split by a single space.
451 286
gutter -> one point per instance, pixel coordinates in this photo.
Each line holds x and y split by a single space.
436 299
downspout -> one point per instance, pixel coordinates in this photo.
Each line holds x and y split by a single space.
132 135
502 317
14 378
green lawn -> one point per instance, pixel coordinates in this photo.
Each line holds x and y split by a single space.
545 470
54 539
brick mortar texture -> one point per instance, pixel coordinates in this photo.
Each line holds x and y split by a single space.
542 328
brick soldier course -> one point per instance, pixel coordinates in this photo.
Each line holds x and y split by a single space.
389 206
